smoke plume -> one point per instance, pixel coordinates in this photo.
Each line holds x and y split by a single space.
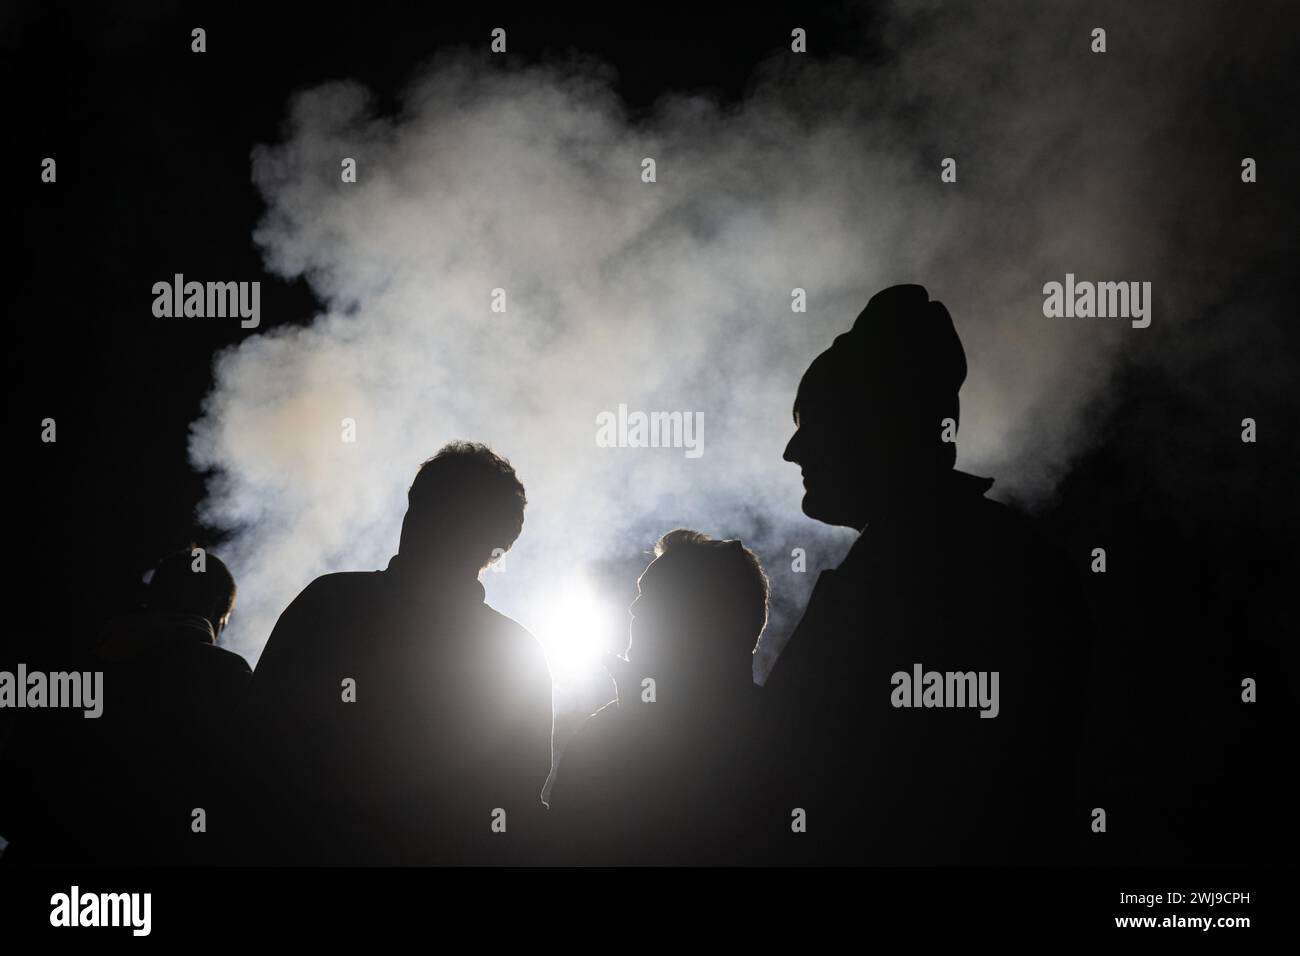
676 295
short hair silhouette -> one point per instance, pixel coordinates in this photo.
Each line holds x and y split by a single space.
464 500
175 586
726 583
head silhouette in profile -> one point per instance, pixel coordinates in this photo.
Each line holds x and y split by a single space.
869 411
667 773
940 576
701 605
398 704
465 509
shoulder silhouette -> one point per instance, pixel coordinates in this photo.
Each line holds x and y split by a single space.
405 720
163 749
928 700
671 772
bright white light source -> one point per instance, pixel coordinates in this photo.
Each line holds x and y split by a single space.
576 627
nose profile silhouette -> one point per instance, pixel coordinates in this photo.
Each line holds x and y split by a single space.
870 410
940 579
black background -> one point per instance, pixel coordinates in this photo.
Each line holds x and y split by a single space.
153 144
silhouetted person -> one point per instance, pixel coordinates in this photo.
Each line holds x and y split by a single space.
942 577
671 772
164 744
403 718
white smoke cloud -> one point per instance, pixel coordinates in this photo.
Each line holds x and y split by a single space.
673 295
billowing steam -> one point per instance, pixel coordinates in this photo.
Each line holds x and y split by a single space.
676 295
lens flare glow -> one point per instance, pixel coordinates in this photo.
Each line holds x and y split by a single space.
576 626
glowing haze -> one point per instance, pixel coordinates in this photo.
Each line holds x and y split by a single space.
673 295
